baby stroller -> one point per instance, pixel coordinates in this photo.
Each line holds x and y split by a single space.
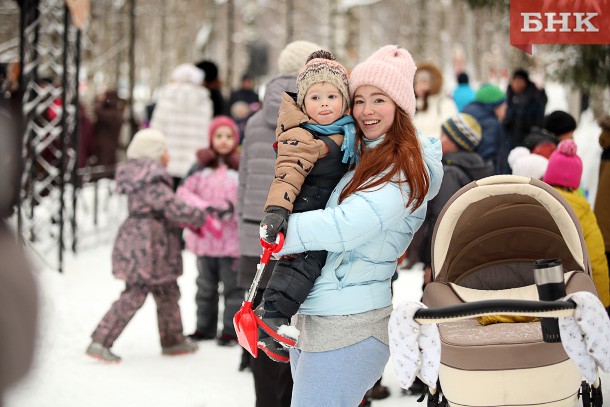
485 243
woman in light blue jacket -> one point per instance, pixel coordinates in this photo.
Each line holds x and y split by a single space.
368 223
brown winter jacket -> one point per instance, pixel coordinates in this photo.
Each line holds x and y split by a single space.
147 249
602 199
297 152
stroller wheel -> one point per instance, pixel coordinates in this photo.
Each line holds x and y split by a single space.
591 396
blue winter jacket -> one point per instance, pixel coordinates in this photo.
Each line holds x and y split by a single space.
364 235
490 127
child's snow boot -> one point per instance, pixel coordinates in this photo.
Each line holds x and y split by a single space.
98 351
276 325
180 349
273 349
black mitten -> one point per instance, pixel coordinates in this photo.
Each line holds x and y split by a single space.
274 222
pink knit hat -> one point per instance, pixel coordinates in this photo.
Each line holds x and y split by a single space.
565 167
219 121
390 69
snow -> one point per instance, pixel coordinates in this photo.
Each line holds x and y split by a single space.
72 305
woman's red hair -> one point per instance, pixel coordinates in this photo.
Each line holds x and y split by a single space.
400 155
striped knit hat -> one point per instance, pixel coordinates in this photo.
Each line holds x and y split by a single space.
322 66
463 130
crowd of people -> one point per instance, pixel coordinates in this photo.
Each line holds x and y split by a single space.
353 168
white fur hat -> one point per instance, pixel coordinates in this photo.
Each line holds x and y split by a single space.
147 143
188 73
526 164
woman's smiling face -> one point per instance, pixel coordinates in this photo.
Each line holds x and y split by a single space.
373 110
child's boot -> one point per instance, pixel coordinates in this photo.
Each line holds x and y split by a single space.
276 325
180 349
98 351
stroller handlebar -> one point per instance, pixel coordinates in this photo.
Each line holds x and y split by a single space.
526 308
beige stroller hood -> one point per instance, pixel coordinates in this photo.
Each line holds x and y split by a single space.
484 245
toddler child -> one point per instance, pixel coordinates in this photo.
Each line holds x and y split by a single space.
147 250
563 172
216 245
312 131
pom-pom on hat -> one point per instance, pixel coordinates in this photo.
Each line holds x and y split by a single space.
220 121
463 130
147 143
565 166
490 95
390 69
294 55
322 66
526 164
559 123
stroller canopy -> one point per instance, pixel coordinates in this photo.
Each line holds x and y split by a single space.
505 221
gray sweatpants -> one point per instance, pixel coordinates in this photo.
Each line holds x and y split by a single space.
130 301
212 271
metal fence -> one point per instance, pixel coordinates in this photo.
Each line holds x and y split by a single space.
49 57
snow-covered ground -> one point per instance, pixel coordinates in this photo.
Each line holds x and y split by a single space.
72 305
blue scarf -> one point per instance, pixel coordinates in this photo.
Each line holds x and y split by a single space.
344 125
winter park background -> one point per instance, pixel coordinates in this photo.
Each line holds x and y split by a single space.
73 302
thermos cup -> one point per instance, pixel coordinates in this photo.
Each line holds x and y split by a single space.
548 275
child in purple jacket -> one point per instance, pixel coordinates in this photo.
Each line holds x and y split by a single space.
214 183
147 251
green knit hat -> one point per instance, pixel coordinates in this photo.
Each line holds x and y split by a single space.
490 95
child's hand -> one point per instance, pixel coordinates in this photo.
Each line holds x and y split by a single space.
274 222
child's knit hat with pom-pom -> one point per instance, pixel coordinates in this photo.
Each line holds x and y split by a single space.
565 166
322 66
390 69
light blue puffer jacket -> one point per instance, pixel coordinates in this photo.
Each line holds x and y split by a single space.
364 236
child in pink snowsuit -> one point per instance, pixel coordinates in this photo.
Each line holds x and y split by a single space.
147 253
216 244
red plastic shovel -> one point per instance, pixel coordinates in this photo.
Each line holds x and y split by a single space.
244 319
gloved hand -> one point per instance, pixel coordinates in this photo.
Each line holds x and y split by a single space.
274 222
226 214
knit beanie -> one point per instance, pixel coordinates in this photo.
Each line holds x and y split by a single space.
490 95
390 69
220 121
463 130
559 122
294 55
565 167
147 143
322 66
526 164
